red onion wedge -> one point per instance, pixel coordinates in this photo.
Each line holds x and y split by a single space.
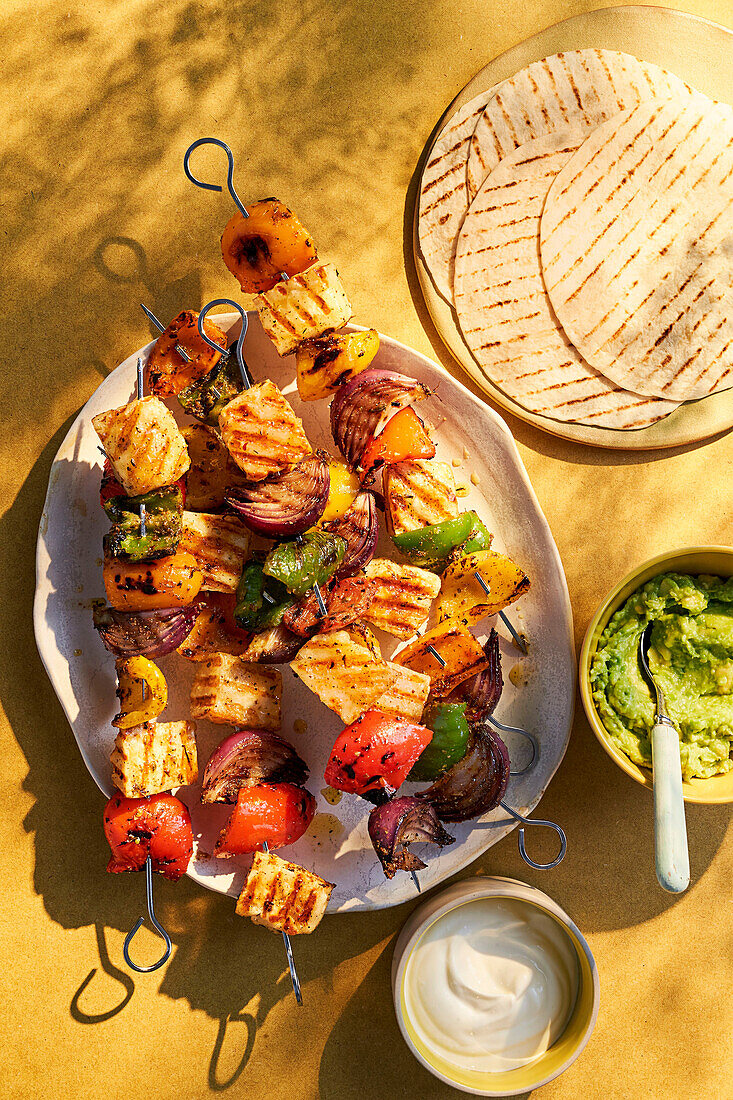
145 633
395 824
482 692
476 784
359 528
247 757
287 504
364 404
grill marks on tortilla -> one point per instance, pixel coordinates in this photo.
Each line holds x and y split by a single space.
444 197
640 277
578 88
503 309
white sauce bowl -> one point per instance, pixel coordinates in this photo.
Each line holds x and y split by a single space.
568 1045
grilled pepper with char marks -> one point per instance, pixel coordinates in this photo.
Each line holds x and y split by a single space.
301 563
163 509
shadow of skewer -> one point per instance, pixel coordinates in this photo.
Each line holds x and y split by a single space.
108 967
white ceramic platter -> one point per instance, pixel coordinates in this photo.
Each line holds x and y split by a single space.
695 49
337 846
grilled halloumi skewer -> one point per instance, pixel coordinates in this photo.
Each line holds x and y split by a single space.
345 675
303 307
229 690
283 896
401 602
417 494
262 433
153 758
144 445
220 545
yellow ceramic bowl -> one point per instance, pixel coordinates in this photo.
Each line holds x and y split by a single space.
567 1047
716 560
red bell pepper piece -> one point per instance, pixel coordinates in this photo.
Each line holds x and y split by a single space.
158 826
278 813
402 438
377 750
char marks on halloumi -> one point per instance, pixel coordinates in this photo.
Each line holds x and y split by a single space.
229 689
283 896
345 675
220 545
262 433
401 603
418 493
407 695
303 306
155 757
144 445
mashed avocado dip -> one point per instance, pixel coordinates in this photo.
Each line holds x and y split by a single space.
691 657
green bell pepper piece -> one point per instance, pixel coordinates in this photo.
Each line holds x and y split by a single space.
253 610
313 559
479 538
206 397
430 546
163 509
157 502
450 741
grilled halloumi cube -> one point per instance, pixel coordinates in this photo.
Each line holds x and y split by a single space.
407 695
346 676
212 471
304 306
153 758
401 603
220 545
283 896
262 433
228 689
144 445
417 494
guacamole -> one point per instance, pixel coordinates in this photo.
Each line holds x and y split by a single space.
691 657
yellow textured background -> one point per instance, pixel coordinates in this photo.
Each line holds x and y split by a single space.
328 105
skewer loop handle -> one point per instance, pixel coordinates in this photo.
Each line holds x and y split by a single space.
156 925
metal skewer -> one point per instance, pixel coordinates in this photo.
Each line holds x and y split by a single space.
518 639
140 395
289 952
161 328
514 813
155 923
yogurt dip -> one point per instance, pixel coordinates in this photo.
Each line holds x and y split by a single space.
491 984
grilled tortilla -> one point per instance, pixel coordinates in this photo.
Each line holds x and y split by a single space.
637 248
503 308
576 88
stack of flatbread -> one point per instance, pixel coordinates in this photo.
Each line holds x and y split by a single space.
580 223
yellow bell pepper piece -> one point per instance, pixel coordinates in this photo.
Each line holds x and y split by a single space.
459 655
344 487
462 596
141 690
326 362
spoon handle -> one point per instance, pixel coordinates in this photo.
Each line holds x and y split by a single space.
670 830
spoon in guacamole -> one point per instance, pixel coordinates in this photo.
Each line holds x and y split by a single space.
670 830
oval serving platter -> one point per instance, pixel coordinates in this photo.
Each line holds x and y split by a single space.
337 846
699 51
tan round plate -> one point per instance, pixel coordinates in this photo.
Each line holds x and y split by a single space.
701 53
